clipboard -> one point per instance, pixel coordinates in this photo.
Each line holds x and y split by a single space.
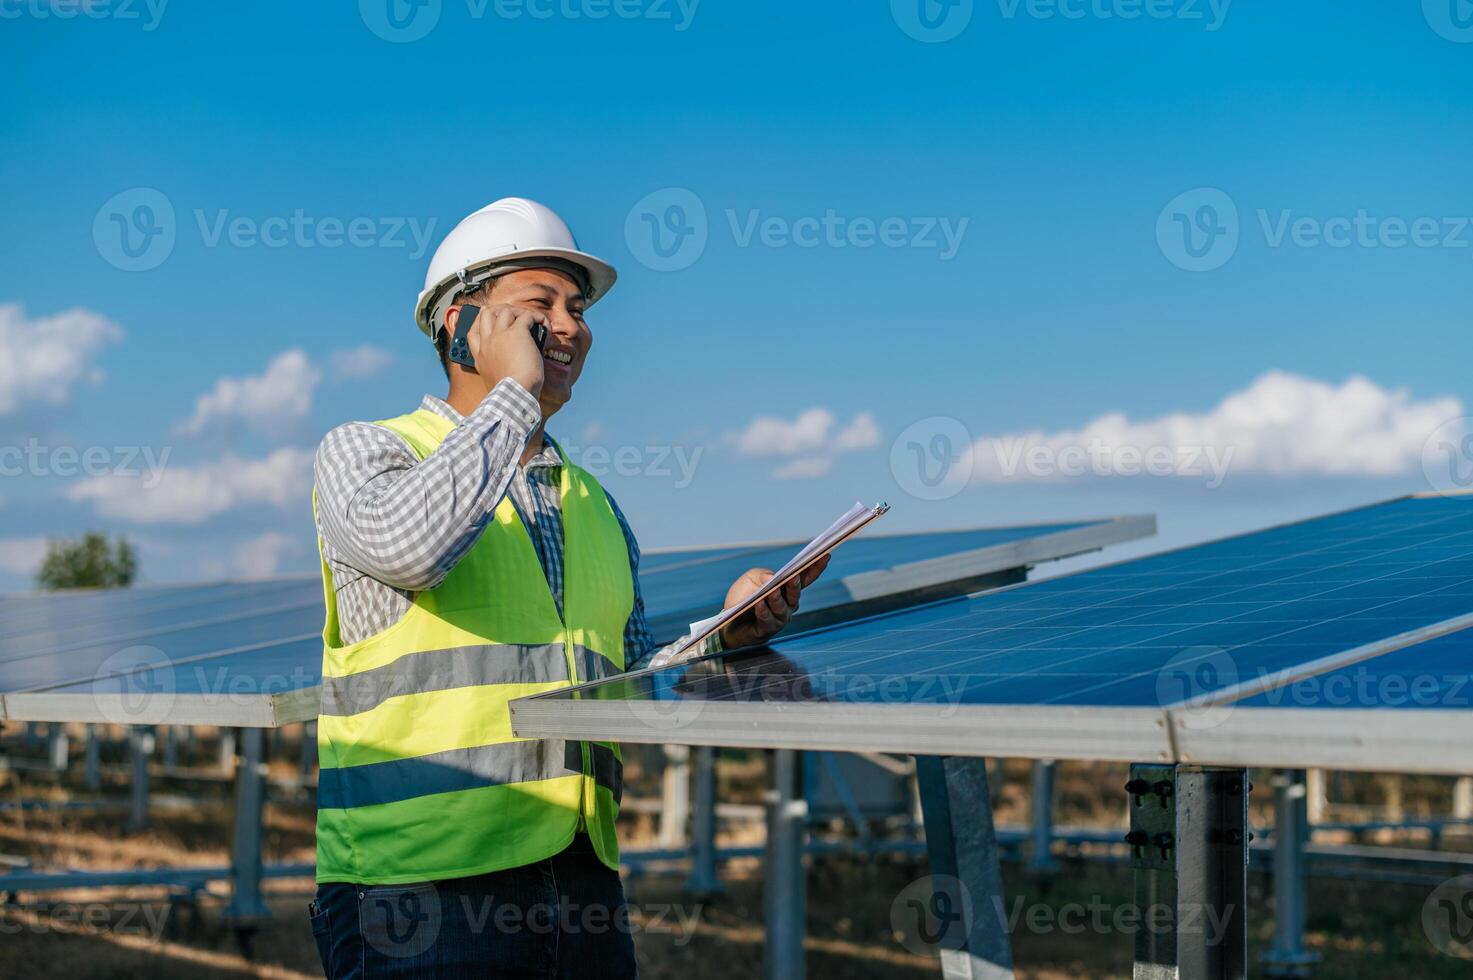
852 521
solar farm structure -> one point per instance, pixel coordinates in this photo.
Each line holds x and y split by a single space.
246 656
1334 643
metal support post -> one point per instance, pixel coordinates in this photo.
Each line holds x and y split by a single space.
171 747
966 909
1316 795
675 797
92 774
1189 849
140 747
784 899
1463 798
309 747
1287 956
227 750
703 881
1042 858
58 746
246 902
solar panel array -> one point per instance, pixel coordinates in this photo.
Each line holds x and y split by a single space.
262 638
1177 630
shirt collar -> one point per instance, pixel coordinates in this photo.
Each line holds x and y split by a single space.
550 456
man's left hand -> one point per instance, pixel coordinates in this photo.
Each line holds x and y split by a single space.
770 615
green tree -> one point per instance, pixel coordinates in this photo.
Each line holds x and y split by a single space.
90 562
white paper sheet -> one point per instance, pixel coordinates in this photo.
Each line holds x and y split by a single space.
853 519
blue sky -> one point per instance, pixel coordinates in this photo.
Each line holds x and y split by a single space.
1314 332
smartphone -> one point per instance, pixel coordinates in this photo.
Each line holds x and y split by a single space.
460 351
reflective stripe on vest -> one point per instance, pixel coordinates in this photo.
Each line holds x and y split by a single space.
421 776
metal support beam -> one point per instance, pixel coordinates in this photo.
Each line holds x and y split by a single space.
675 796
784 896
966 907
1287 956
247 905
171 747
1463 798
1042 858
703 881
140 747
1189 848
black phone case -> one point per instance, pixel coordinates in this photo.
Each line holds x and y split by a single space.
460 351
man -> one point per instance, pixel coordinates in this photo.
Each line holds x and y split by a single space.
466 562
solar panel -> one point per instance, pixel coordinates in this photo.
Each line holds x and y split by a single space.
1110 663
260 638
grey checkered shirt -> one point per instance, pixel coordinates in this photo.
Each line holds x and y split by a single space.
392 525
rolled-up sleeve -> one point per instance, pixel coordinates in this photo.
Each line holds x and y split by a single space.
405 521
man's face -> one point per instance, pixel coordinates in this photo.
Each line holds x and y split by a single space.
559 297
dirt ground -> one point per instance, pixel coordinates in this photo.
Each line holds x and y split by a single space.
1066 925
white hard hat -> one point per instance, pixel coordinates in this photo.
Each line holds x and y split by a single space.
498 238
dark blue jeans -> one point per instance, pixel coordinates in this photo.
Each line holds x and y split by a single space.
563 917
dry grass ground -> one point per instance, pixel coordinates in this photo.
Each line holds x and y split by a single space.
1370 931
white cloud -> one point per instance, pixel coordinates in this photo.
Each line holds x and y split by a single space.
1281 425
43 360
360 363
262 555
266 402
22 556
193 494
810 436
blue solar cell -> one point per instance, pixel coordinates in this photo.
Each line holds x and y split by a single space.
1144 633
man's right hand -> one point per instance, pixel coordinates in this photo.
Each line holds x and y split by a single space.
501 344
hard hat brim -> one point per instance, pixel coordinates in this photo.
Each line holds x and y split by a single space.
601 278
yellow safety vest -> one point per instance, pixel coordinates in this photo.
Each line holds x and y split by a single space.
421 776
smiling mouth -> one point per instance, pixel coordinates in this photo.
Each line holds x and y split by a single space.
559 356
